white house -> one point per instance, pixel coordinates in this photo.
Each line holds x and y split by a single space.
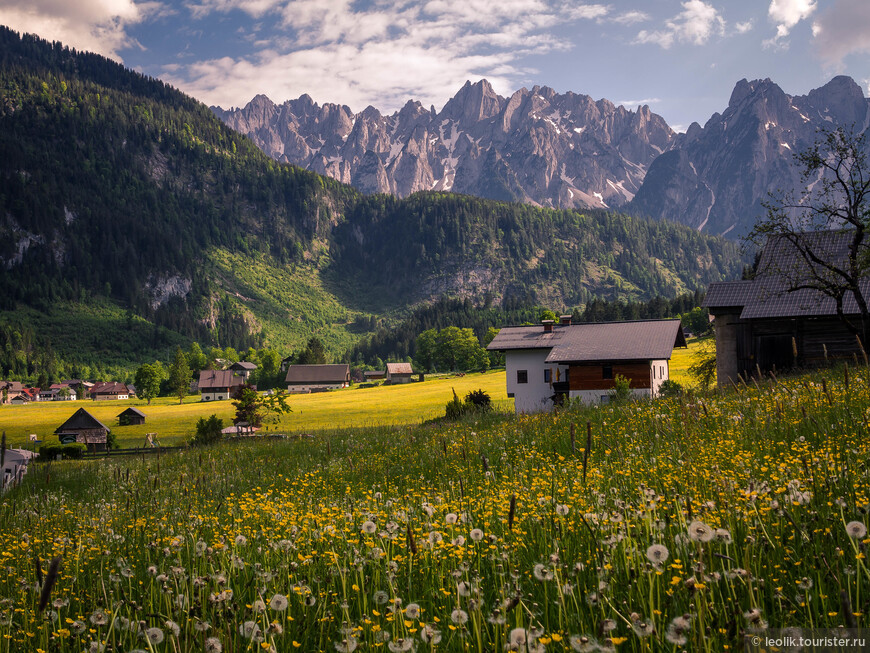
218 385
549 362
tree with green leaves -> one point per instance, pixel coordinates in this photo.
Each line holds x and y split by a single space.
254 409
313 354
148 379
179 376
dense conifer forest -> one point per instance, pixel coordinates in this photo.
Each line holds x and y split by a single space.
120 194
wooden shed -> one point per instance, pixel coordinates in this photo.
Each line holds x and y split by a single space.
85 428
776 321
130 417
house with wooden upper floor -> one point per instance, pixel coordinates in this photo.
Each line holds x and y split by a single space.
549 362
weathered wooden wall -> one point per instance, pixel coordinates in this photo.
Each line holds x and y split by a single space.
590 377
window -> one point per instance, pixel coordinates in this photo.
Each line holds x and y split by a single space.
661 371
607 372
522 376
548 375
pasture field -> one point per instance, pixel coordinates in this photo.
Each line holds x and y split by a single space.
682 359
174 423
679 524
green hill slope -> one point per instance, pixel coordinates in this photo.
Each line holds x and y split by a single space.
117 190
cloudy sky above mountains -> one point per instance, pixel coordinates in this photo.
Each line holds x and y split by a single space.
680 57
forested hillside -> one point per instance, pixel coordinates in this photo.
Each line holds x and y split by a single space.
124 197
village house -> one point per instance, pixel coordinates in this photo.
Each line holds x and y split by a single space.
111 391
317 378
550 362
399 373
286 362
763 326
130 417
242 369
10 390
27 396
217 385
58 393
84 428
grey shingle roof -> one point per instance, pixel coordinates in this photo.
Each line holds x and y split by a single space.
243 365
781 268
722 294
132 411
81 419
302 374
604 341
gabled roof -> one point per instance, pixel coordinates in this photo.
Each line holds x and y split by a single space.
210 379
592 342
782 267
399 368
303 374
110 388
244 366
81 419
132 411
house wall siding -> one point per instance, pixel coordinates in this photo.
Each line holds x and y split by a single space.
591 377
535 395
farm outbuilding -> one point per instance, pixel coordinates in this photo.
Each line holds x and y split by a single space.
131 416
317 378
399 373
778 321
84 428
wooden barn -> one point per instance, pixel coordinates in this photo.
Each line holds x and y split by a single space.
130 417
317 378
399 373
771 323
85 428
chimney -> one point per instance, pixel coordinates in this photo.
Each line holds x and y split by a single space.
564 320
548 325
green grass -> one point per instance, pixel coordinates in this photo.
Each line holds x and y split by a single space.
348 408
682 359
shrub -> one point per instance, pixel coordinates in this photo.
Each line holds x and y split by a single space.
111 440
479 400
50 451
621 389
669 389
476 401
208 430
74 450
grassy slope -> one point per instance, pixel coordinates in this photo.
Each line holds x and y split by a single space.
353 407
682 360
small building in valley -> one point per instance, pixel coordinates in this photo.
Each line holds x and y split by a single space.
85 428
399 373
216 385
111 391
242 369
777 320
130 417
550 362
317 378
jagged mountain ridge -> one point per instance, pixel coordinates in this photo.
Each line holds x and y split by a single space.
538 146
715 177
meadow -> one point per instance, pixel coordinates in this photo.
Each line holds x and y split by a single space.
174 423
654 526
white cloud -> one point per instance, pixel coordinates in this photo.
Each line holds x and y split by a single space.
742 28
696 24
638 103
842 30
631 17
94 25
785 14
384 52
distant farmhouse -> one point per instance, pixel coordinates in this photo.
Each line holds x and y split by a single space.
111 391
10 391
763 325
216 385
243 369
85 428
317 378
399 373
550 362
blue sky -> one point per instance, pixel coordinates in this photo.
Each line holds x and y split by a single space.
681 57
